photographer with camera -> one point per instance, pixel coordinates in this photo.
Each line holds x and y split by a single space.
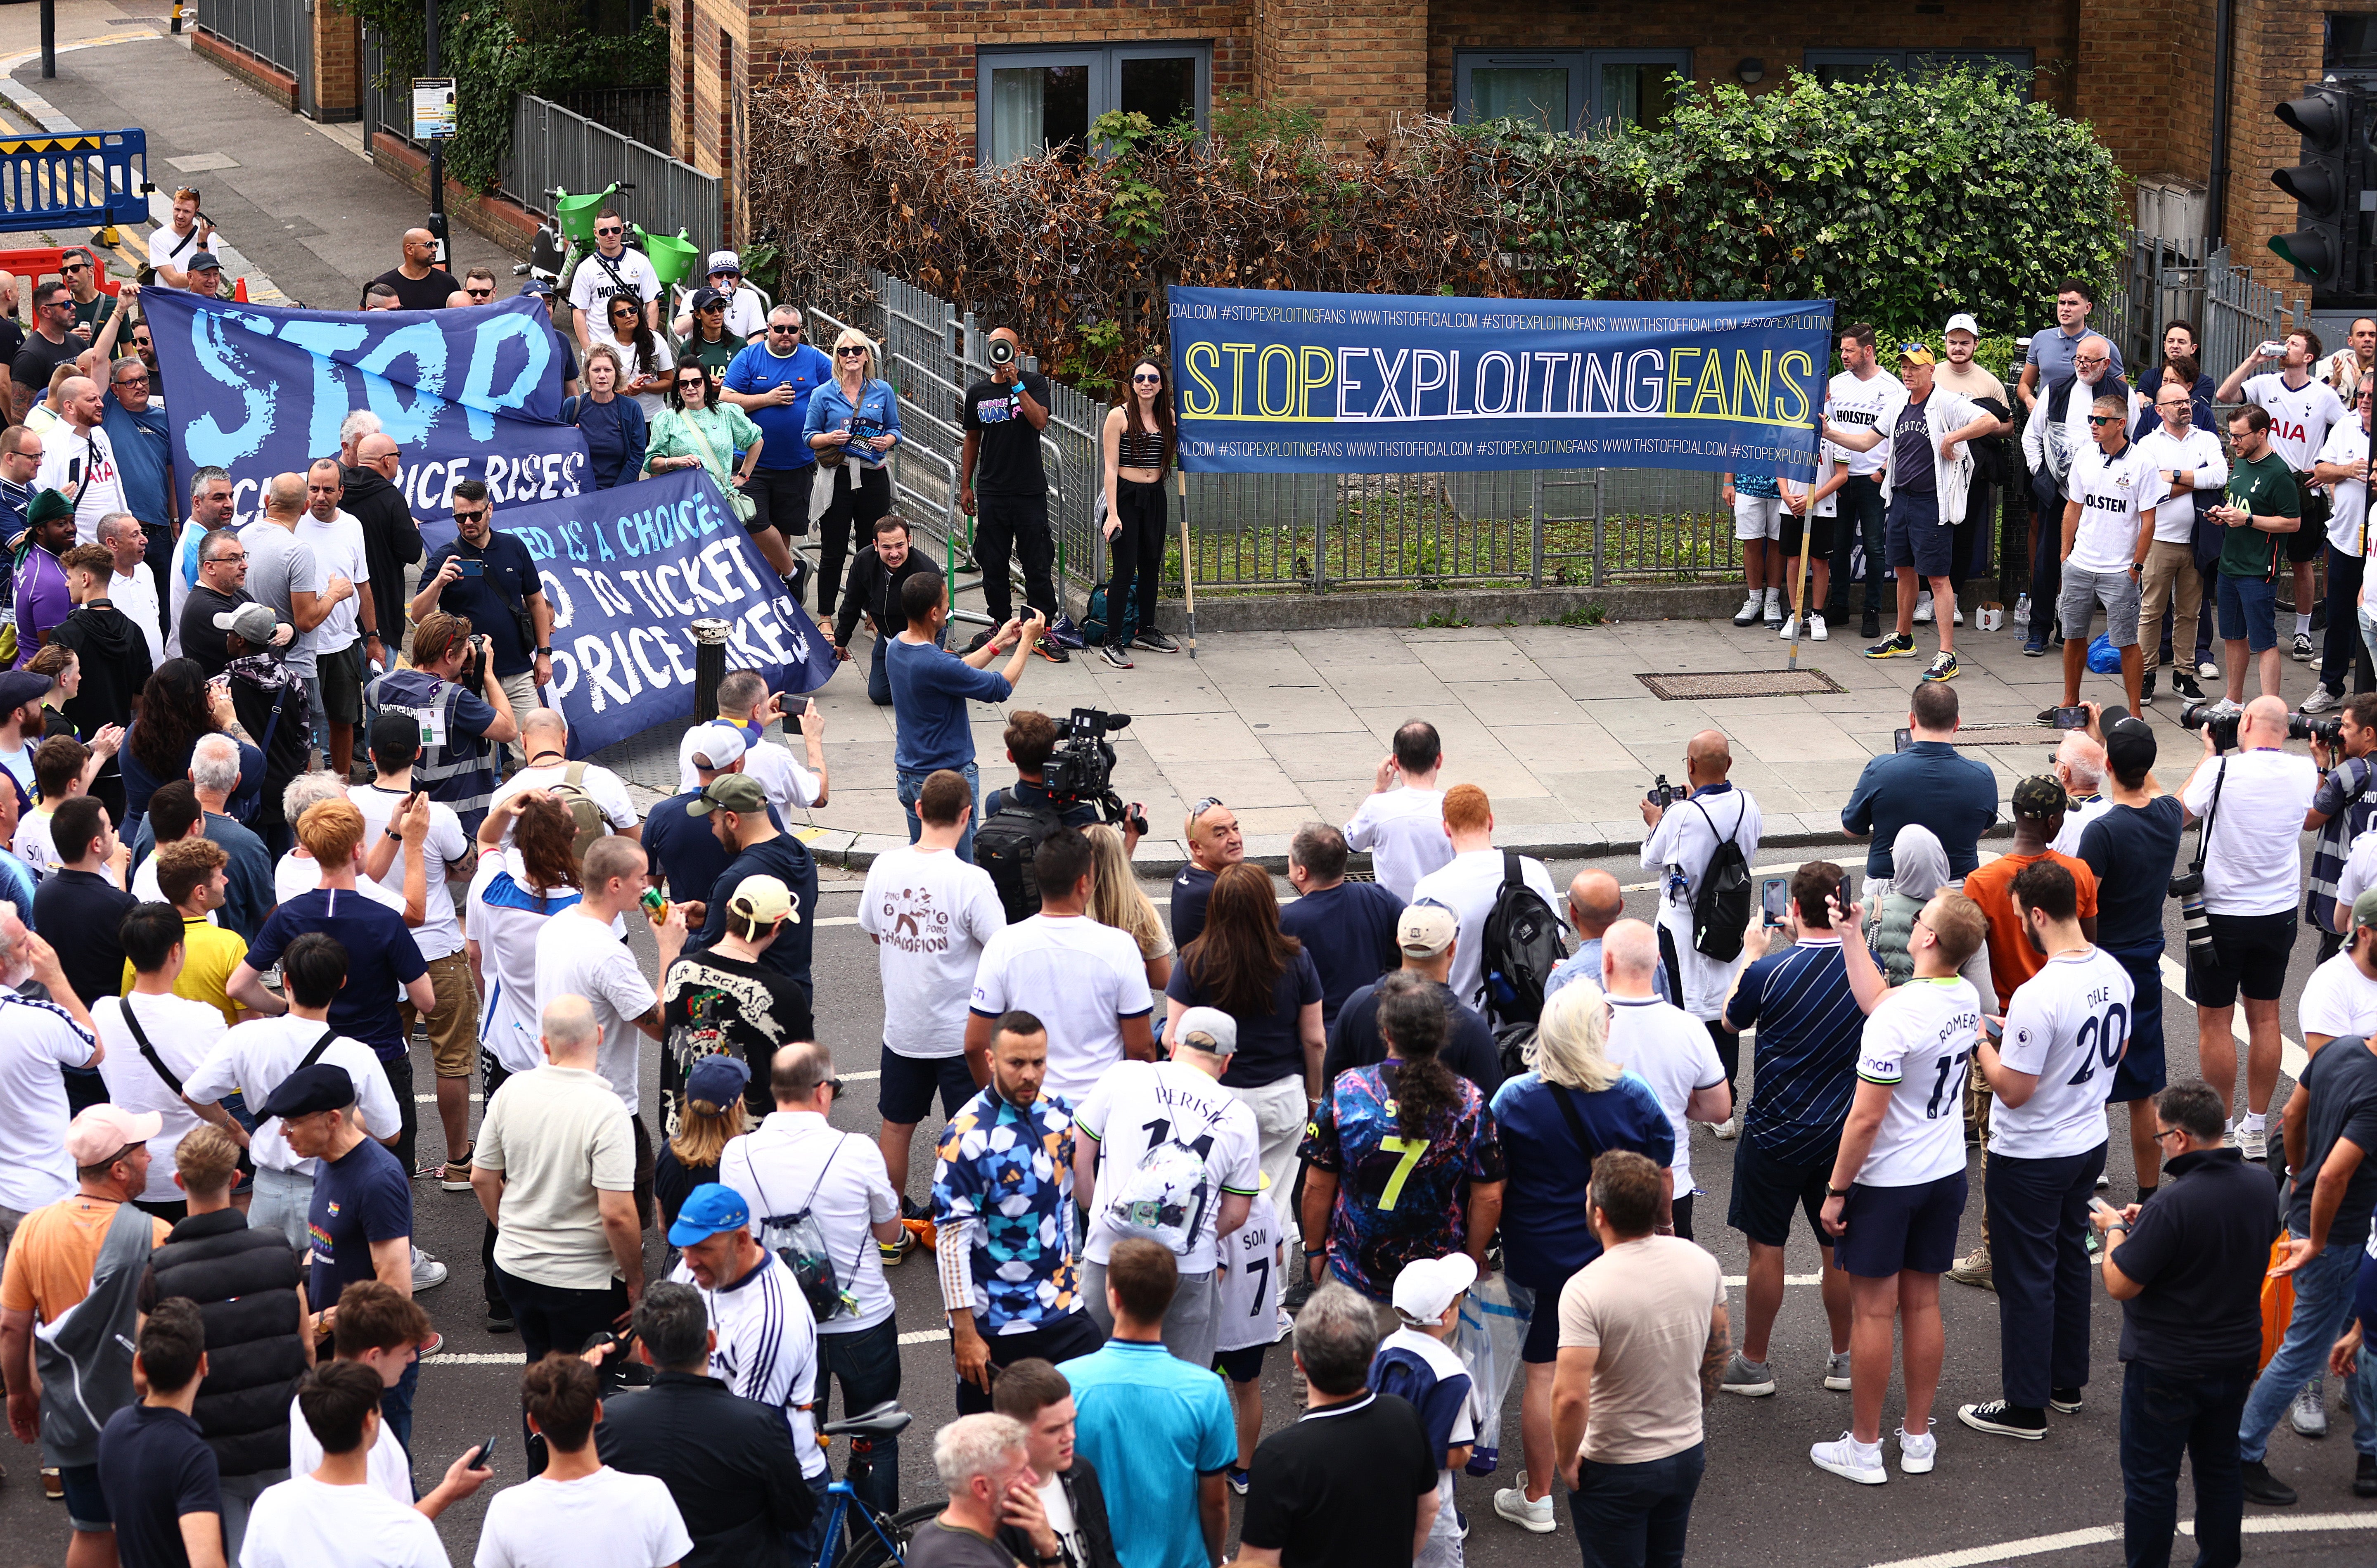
488 576
2341 810
1031 738
452 688
931 688
2252 806
1003 417
1692 838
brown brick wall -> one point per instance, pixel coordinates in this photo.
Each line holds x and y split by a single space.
337 63
2145 81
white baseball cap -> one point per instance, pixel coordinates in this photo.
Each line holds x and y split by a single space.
720 748
1428 1285
1962 322
1207 1029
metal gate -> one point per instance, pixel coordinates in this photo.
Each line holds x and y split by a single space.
2162 279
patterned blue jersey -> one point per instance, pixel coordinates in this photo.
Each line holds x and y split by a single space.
1398 1198
1009 1170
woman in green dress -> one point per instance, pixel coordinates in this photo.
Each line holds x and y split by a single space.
697 429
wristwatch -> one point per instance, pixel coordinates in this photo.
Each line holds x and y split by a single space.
1832 1192
391 832
545 652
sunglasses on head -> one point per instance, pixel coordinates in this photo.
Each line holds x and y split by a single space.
1203 806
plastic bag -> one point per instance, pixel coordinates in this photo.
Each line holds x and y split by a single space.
1494 1318
2104 659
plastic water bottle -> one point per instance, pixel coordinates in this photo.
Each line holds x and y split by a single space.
2022 610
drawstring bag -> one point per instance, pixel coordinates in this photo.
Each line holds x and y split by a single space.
2104 659
798 1239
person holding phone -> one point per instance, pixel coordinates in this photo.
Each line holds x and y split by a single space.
931 688
488 576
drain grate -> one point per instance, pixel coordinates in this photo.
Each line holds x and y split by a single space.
1740 683
2009 735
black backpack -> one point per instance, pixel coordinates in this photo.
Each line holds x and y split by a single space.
1721 908
1005 845
1524 943
1994 457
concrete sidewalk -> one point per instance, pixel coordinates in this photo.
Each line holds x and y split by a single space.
1552 722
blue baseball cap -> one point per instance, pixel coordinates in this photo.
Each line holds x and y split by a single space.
717 1080
709 1210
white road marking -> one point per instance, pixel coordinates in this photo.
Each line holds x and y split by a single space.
2106 1535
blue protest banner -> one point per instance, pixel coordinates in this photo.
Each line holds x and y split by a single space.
1273 382
472 393
627 571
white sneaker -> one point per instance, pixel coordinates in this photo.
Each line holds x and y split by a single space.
1923 608
1751 608
1774 606
1960 617
1816 628
427 1271
2307 1414
1837 1371
2255 1141
1783 632
2208 670
2321 699
1512 1504
1917 1454
1728 1130
1859 1462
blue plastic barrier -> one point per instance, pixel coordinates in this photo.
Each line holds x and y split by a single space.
91 177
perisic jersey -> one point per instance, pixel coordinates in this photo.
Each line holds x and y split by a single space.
1921 1041
1251 1266
2067 1024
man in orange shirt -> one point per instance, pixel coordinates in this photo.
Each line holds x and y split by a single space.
2039 803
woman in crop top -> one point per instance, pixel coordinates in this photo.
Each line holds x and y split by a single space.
1139 445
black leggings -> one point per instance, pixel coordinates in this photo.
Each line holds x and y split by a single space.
860 495
1138 550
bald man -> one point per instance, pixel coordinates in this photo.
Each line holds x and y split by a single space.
1681 840
419 281
1594 903
2080 766
544 747
284 572
391 539
2252 884
78 457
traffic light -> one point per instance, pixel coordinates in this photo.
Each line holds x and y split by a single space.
2333 122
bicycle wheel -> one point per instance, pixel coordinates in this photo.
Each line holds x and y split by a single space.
863 1548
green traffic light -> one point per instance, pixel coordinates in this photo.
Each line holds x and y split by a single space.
2305 251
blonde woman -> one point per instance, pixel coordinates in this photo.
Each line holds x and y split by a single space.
1544 1235
853 423
614 424
712 1114
1117 901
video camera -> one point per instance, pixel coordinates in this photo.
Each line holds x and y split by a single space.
1082 767
2222 718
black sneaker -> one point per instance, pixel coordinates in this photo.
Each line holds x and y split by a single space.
1893 647
1944 668
1153 642
500 1322
2184 683
2145 687
1871 626
2266 1489
1113 654
2364 1479
2004 1419
1051 650
1299 1290
2065 1400
981 640
2046 714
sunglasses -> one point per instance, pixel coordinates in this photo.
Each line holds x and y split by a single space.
462 516
625 311
2091 364
613 228
835 1084
783 331
852 352
75 267
1147 380
1203 806
692 383
2103 419
480 294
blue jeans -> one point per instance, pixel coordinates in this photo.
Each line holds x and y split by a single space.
801 1545
2367 630
912 784
1634 1515
2323 1293
867 1364
2164 1416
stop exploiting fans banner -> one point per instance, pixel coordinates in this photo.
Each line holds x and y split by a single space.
472 393
1268 382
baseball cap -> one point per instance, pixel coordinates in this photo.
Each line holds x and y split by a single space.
1206 1029
104 1129
255 623
202 261
720 745
393 735
1426 930
1962 322
725 261
309 1089
729 792
2129 747
709 1211
706 297
21 687
2364 909
762 900
718 1079
1428 1285
538 287
1915 353
2041 796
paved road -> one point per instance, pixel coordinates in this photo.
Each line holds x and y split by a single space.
1988 1501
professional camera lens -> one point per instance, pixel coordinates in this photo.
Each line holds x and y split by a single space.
2327 729
2221 718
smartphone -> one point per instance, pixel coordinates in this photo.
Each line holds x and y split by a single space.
471 568
2099 1205
1775 899
1900 739
486 1451
785 701
2071 718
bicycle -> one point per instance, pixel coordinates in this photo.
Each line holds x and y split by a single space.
882 1541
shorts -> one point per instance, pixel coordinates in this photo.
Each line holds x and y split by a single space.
1241 1366
1765 1187
1819 538
780 499
454 1022
1541 1345
2142 1072
87 1507
2084 590
1912 535
2249 612
2248 953
905 1093
1895 1229
341 678
2303 544
1757 516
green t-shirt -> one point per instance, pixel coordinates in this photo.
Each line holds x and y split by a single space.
713 357
2264 486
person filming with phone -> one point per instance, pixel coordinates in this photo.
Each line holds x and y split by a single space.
489 577
931 688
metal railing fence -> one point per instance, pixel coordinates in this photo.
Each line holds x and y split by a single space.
273 30
638 113
2188 278
554 147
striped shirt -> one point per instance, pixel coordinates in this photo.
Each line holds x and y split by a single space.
1809 1026
767 1349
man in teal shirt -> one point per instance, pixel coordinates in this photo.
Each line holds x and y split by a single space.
1161 1428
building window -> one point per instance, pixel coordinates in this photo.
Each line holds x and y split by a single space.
1833 66
1566 91
1028 102
2351 44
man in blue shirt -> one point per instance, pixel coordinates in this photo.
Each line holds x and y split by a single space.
1595 903
1158 1429
1809 1027
2050 355
1929 783
772 381
930 688
684 848
1350 929
137 434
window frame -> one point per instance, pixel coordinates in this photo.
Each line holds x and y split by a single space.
1679 60
1105 63
1583 68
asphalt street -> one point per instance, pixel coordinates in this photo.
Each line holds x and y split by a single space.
1990 1499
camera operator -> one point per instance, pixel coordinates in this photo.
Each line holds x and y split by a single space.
1003 417
1031 739
1930 784
2340 810
2253 877
465 713
876 577
1683 838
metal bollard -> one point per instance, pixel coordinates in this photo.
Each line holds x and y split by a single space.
709 665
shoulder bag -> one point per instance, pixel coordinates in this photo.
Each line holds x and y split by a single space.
743 504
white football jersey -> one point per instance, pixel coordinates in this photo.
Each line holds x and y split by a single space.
2067 1024
1921 1041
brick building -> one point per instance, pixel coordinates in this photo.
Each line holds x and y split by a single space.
2147 73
